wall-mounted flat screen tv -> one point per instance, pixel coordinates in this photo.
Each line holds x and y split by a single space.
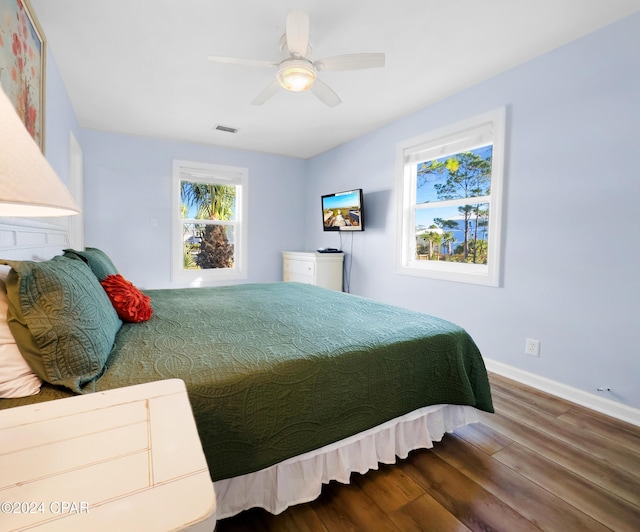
342 211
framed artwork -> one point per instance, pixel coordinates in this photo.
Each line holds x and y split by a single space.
22 64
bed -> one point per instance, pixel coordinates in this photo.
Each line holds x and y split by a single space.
291 385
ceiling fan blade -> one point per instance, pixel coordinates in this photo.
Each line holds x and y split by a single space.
351 62
297 32
266 93
325 93
239 61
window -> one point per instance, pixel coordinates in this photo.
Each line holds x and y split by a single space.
450 201
210 223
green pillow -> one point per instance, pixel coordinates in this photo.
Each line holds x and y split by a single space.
61 319
99 262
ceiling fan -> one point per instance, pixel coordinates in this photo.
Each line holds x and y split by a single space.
297 71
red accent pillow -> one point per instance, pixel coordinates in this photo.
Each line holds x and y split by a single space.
130 304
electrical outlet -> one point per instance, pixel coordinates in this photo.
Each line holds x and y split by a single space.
532 347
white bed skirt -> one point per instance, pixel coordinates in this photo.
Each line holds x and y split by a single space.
300 479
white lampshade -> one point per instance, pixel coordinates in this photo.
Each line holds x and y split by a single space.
296 75
28 184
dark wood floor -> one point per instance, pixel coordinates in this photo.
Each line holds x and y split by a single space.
538 463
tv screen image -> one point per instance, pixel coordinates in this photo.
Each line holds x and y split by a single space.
342 211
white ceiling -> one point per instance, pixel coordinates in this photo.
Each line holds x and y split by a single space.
140 66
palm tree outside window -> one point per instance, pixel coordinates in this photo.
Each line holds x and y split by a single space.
210 222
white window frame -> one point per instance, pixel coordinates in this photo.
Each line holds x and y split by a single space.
219 175
462 136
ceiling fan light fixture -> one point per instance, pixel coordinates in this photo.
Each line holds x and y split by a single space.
297 71
296 75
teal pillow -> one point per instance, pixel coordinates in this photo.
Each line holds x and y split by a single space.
61 319
99 262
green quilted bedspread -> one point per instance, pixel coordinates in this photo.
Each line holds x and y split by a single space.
275 370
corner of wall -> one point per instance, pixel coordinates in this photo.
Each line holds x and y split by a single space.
580 397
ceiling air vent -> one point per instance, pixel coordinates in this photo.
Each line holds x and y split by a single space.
225 129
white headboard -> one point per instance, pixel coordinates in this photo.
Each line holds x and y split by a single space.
32 239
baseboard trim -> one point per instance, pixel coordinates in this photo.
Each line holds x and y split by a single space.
588 400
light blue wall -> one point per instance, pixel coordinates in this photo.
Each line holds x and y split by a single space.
572 238
60 120
572 241
128 203
127 206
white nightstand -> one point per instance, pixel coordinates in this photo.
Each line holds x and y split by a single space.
321 269
126 459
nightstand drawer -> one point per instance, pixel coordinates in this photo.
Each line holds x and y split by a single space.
320 269
299 267
128 458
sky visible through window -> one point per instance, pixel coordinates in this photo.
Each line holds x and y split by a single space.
426 192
